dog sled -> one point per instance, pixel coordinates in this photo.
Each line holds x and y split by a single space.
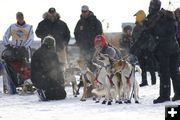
16 71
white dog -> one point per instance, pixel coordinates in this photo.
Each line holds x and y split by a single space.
106 80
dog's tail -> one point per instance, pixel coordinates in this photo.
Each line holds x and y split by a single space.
138 69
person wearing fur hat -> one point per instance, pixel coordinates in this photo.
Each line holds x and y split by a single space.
52 25
85 31
46 71
126 41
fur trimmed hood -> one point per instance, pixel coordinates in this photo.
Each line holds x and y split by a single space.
47 16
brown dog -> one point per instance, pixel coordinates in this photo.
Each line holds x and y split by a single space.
130 84
88 79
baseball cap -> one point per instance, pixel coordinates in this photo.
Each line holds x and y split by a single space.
52 10
19 14
84 8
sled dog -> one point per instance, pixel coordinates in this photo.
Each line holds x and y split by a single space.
87 77
130 84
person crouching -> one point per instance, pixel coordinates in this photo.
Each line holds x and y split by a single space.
46 72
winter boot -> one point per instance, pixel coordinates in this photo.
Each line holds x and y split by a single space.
164 92
176 85
176 97
41 95
176 91
161 100
143 84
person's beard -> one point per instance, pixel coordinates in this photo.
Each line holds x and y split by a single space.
52 18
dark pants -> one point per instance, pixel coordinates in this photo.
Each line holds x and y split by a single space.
147 63
169 68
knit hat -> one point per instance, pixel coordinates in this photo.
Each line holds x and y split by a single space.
84 8
140 16
49 41
177 11
19 14
100 40
126 28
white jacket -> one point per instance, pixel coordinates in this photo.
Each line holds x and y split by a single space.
21 35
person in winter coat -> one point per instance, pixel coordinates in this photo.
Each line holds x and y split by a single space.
102 46
22 36
126 43
177 15
46 71
85 31
161 25
146 58
16 55
127 40
52 25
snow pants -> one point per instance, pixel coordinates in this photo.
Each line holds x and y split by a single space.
169 69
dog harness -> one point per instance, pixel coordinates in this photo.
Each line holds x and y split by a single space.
128 78
110 78
97 79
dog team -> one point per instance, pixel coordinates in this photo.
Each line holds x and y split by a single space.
114 78
105 74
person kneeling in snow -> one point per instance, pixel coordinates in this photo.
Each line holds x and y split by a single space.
46 72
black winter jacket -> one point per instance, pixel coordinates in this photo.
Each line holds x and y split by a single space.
58 29
164 32
85 31
46 72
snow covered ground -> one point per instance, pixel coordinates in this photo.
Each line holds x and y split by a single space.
28 107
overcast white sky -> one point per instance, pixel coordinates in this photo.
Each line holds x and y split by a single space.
113 11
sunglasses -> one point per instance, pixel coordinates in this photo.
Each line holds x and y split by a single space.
84 11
